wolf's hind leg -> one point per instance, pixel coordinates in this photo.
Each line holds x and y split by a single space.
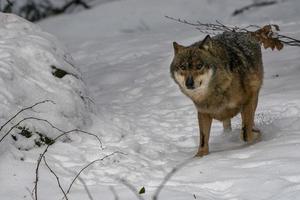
227 125
254 128
248 112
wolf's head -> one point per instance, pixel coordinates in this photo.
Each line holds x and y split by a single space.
190 67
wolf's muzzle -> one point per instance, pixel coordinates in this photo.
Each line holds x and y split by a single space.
189 83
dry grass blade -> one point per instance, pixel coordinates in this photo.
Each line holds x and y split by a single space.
113 191
128 185
91 163
169 176
57 178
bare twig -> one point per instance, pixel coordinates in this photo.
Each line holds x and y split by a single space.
86 188
129 186
35 196
289 40
45 151
218 27
23 109
168 176
213 27
57 178
85 167
223 26
112 189
25 119
52 126
30 193
34 193
210 27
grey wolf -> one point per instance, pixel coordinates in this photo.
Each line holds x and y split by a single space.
222 75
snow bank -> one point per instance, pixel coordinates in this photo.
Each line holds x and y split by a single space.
29 58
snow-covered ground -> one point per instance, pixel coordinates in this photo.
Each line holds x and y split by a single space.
123 49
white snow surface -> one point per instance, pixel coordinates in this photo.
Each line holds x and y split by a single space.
123 49
27 54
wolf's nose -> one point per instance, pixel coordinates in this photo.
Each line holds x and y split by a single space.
189 83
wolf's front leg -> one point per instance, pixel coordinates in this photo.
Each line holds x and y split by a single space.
204 121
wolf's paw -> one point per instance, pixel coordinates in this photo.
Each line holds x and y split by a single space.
201 153
254 136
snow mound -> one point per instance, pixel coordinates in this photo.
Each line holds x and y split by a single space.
34 67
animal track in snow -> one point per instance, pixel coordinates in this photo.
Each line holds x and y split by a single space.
255 164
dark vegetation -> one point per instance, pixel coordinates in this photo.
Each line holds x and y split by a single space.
35 10
253 5
40 140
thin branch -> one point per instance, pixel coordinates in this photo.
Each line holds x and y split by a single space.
85 167
57 178
289 40
45 151
169 176
113 191
23 109
128 185
218 27
131 187
223 26
34 192
86 188
17 124
30 193
207 26
54 127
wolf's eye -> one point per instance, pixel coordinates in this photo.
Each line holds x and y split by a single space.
199 66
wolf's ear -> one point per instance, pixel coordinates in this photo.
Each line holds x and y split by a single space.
206 43
177 47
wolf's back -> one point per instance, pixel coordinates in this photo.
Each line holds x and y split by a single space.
242 50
